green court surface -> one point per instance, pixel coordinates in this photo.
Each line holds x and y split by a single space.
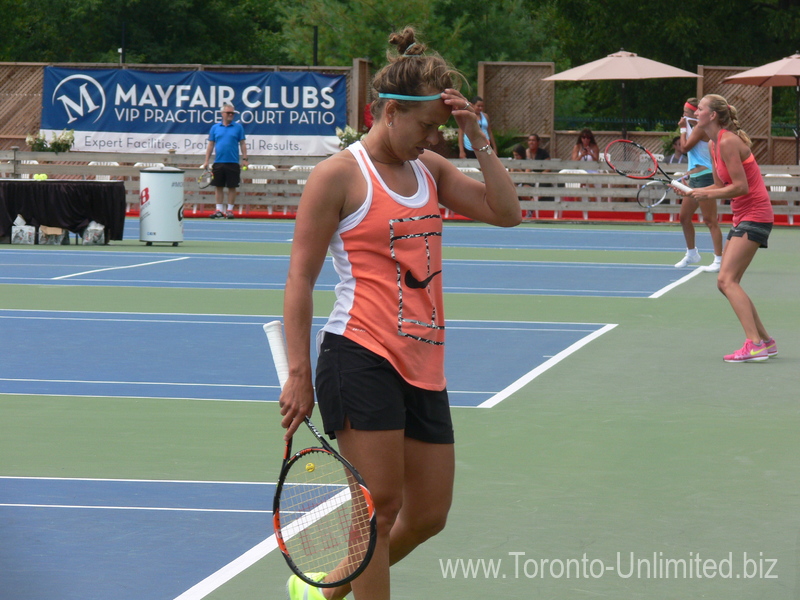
642 466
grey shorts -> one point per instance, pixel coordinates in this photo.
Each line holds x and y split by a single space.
701 181
756 232
356 385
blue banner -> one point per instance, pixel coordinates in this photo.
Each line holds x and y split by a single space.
122 110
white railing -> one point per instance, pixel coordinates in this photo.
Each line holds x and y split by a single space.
272 181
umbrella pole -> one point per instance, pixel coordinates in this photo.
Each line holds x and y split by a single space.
624 116
797 124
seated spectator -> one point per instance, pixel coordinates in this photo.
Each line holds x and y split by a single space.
534 151
586 147
677 156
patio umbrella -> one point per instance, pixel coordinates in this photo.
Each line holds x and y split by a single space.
623 66
781 73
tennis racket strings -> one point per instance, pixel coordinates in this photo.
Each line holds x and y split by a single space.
629 160
326 516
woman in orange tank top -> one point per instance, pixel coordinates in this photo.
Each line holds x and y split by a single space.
738 178
379 383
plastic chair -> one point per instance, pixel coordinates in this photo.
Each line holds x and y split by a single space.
779 188
301 168
261 168
571 185
96 163
259 181
27 162
676 175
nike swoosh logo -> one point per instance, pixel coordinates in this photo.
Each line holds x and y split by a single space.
754 352
415 283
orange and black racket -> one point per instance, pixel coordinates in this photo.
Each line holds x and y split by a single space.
637 162
323 513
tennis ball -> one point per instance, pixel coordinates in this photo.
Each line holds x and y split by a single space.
310 467
244 168
40 176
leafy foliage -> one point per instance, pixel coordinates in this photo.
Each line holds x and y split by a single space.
58 143
465 32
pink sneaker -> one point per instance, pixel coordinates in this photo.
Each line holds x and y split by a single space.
772 348
750 352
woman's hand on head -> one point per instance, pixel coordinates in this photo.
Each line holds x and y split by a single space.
463 110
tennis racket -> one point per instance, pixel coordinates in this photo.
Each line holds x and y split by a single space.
637 162
653 193
205 179
323 513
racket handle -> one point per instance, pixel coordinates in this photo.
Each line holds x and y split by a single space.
681 186
277 345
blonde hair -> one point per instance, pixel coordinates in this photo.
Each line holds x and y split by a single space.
411 72
727 116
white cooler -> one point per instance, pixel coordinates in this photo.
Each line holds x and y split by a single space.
161 205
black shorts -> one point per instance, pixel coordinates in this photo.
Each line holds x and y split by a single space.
356 385
756 232
225 175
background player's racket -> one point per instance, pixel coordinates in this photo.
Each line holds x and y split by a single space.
205 179
652 193
637 162
323 513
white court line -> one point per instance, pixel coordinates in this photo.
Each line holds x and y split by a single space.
117 480
167 383
675 284
117 268
256 553
144 508
531 375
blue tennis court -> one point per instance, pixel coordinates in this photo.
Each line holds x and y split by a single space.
83 539
212 271
546 237
167 356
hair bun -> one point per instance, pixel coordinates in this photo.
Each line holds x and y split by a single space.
406 42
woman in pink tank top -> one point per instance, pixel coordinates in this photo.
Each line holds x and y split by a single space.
737 178
380 384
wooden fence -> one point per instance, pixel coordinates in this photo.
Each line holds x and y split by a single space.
273 188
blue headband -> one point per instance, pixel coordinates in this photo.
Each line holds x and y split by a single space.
410 98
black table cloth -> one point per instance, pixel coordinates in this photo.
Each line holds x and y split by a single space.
69 204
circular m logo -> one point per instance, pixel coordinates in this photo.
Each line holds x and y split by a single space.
80 96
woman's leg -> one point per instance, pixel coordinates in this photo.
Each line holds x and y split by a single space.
737 256
403 471
427 496
708 208
379 457
688 208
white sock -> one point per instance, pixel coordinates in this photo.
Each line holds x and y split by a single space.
220 207
230 207
717 259
692 252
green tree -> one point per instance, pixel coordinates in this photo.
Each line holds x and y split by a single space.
180 31
464 32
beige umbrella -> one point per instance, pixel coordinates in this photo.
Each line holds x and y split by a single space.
781 73
623 66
